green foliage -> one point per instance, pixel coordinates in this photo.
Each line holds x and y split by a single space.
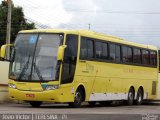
18 22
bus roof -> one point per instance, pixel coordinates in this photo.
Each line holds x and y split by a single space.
92 34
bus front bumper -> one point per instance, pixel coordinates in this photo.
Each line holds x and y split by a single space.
44 96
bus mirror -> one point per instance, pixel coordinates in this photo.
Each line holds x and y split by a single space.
61 52
3 51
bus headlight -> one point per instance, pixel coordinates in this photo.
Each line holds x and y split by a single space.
12 85
52 87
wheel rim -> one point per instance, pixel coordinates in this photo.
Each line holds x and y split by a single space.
78 97
130 96
139 98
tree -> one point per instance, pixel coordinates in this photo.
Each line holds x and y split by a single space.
18 22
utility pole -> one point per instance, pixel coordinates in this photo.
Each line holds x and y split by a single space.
8 34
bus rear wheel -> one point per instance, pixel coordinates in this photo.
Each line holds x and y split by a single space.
77 99
139 98
35 104
130 99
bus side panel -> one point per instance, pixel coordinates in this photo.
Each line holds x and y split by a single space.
115 79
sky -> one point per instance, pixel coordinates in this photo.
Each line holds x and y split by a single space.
133 20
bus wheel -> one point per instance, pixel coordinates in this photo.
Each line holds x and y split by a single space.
130 97
35 104
92 103
105 103
78 98
139 97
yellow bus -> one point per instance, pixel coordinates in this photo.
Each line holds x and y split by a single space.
75 66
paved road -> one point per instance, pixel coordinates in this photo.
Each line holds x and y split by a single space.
62 112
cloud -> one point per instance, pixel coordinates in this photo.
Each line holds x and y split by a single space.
132 20
80 19
47 12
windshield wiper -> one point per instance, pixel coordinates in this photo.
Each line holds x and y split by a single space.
37 71
24 69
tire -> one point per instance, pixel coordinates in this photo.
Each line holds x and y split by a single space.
35 104
105 103
77 99
139 98
92 103
130 99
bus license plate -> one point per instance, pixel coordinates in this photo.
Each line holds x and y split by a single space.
30 95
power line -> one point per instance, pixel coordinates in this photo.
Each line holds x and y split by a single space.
98 11
115 12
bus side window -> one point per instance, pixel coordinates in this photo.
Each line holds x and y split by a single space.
127 54
137 56
86 51
90 50
98 50
153 58
104 51
124 54
112 52
118 53
159 59
83 51
145 57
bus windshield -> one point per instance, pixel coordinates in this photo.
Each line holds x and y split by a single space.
35 57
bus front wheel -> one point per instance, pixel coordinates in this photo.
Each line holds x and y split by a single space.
78 98
35 104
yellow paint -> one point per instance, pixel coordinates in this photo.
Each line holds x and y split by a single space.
61 52
3 50
23 88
